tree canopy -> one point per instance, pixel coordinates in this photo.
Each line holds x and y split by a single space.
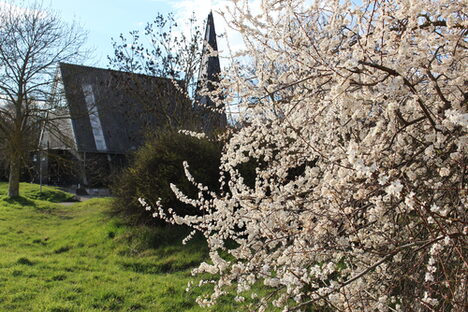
33 40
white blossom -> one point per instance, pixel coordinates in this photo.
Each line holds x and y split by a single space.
354 119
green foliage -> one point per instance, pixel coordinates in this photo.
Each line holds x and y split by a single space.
160 163
31 191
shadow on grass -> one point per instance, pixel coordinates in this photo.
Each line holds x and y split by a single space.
19 200
54 196
25 261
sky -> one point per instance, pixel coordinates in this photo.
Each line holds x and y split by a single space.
106 19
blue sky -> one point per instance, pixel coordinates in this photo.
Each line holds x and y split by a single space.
103 19
106 19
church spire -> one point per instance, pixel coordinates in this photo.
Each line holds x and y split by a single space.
208 78
209 68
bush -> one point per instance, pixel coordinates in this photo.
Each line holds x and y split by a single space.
357 121
158 164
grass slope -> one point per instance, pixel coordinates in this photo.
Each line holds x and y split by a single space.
32 191
76 258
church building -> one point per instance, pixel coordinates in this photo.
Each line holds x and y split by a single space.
103 115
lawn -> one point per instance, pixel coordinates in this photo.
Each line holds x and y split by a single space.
77 258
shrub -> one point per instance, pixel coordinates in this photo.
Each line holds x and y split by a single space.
158 164
357 116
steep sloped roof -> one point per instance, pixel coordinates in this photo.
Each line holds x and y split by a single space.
209 76
210 68
111 110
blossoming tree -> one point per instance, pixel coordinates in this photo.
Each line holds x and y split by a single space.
357 129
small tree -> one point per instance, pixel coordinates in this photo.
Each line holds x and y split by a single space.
164 50
360 130
33 40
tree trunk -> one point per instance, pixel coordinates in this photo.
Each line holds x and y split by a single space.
13 181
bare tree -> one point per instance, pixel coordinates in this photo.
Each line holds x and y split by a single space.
33 40
165 49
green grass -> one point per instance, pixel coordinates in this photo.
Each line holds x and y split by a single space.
32 191
77 258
